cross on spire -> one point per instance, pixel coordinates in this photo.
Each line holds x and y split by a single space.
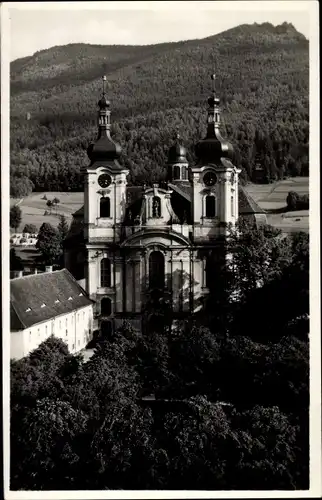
103 81
213 77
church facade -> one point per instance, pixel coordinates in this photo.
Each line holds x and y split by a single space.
138 248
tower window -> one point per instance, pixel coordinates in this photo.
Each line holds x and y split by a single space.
210 206
106 306
105 207
232 206
185 173
156 207
156 270
105 273
176 172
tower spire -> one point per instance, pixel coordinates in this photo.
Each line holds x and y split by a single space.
104 148
213 110
103 81
104 113
213 78
213 146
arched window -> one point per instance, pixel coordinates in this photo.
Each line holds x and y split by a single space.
176 172
210 206
105 207
232 206
156 207
105 273
185 173
106 306
156 270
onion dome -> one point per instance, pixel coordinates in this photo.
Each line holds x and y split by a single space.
104 149
103 103
213 147
177 152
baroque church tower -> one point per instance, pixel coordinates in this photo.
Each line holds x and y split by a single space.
214 179
104 211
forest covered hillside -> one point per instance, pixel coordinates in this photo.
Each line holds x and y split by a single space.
262 80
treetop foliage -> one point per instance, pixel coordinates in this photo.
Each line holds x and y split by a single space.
231 407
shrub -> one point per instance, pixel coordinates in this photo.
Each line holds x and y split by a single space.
29 229
297 202
292 200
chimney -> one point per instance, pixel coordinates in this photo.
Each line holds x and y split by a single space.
18 274
35 271
48 269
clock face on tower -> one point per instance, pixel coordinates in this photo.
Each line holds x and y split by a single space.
104 180
210 178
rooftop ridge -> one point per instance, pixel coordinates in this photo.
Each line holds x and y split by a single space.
38 274
254 205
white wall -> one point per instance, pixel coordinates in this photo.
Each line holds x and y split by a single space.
74 328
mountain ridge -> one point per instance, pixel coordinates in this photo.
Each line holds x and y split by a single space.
155 89
283 27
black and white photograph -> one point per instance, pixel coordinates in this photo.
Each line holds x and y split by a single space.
160 249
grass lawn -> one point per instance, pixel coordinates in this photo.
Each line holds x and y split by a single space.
272 197
33 207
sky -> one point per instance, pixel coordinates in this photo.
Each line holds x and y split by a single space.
139 23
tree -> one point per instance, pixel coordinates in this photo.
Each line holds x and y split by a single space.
49 243
20 187
258 255
30 228
292 200
63 228
267 450
15 217
55 202
16 263
47 434
49 205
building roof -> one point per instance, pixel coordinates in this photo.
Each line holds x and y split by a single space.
183 188
41 297
246 204
79 213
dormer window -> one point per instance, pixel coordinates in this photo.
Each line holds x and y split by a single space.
70 298
57 301
80 295
43 305
28 310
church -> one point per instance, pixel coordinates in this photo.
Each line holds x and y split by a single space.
136 249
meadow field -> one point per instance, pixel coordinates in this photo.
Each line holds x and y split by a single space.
33 207
270 197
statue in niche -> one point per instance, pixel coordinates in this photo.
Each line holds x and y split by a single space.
156 207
